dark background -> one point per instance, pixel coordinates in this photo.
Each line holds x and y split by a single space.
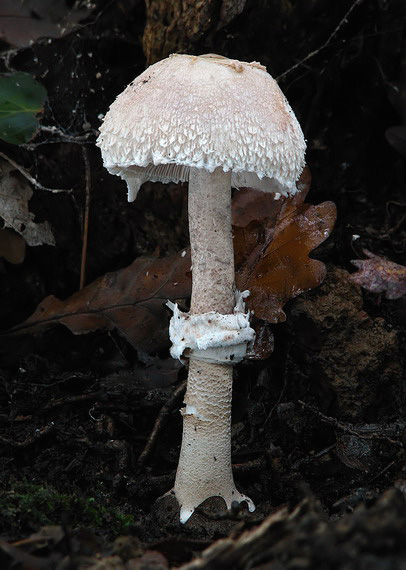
340 355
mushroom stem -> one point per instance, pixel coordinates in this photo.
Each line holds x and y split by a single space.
204 468
211 241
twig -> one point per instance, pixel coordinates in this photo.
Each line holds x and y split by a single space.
278 401
66 137
382 472
85 232
311 458
71 400
366 431
38 433
341 23
54 404
62 137
28 176
160 422
253 465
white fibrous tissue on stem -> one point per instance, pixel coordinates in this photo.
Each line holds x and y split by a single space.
212 337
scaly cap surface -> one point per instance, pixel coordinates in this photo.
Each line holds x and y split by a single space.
204 112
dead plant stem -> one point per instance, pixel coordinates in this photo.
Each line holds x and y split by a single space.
341 23
85 232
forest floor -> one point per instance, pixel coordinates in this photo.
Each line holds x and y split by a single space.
90 427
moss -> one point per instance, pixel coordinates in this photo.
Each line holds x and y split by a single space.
28 506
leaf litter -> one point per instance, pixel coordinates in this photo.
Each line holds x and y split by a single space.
15 194
132 300
273 251
272 240
380 275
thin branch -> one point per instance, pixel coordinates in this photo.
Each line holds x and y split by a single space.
52 405
278 401
33 438
30 179
160 422
71 400
382 472
62 136
342 22
85 232
66 137
364 431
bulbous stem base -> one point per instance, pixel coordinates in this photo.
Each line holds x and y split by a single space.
205 459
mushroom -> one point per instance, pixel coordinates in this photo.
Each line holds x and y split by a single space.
216 123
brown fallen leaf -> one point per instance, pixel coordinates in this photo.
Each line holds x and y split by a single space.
12 246
252 205
379 275
272 240
272 249
131 300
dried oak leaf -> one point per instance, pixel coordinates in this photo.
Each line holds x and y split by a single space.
379 275
273 239
15 194
131 300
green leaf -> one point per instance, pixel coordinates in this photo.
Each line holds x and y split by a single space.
21 99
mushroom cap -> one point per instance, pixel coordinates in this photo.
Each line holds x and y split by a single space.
203 112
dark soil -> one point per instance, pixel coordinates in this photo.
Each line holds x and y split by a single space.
319 427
